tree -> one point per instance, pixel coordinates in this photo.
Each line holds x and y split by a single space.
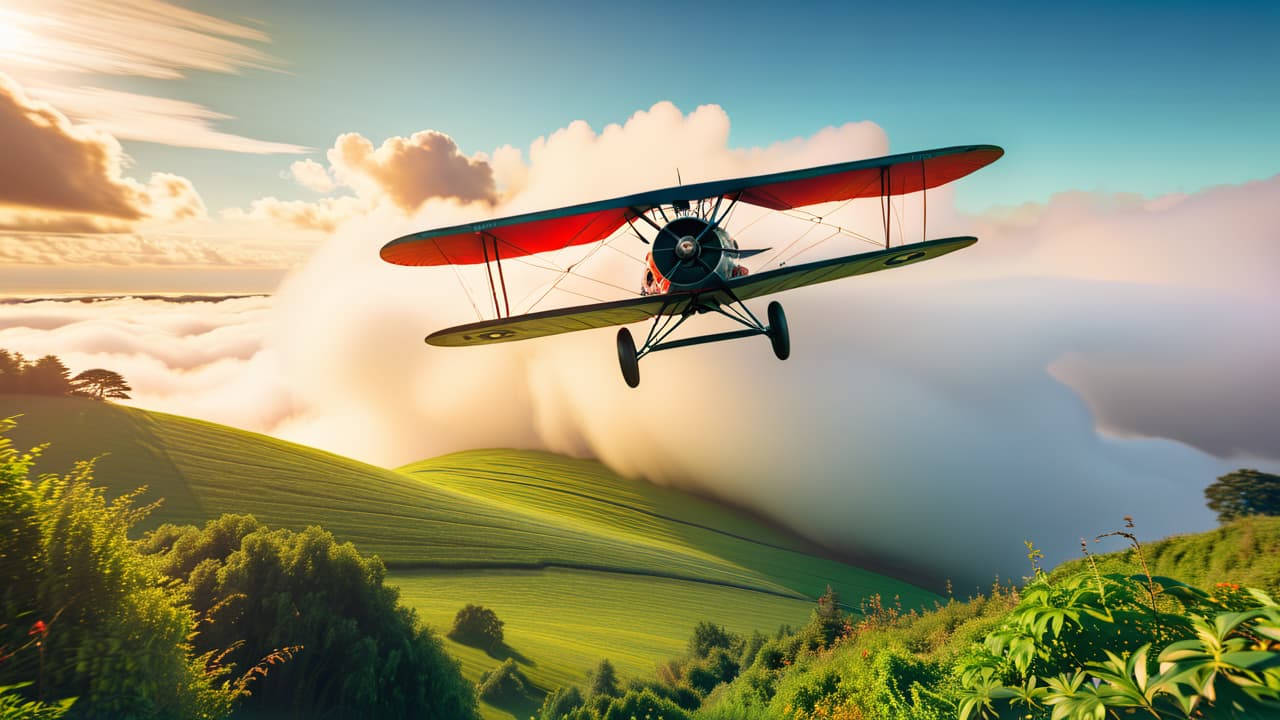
1244 492
477 626
708 636
46 376
560 703
11 365
503 684
362 653
99 384
604 681
828 619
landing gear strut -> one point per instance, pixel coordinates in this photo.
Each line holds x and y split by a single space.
666 323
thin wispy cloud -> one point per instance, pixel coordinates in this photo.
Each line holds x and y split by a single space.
53 45
141 38
146 118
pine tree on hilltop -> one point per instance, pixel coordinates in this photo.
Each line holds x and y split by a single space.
100 384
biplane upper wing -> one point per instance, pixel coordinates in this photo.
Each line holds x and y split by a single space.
549 230
624 312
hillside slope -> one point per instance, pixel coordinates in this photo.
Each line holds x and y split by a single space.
579 562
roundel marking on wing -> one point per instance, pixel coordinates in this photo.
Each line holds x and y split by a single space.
498 334
904 258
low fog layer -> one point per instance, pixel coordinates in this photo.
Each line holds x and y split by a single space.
1097 357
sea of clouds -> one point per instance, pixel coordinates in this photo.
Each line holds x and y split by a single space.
1093 357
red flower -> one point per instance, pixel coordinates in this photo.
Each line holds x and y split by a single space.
39 628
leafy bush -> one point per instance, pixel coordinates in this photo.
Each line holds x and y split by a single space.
708 636
1090 644
503 684
82 612
261 590
560 703
643 704
15 707
477 626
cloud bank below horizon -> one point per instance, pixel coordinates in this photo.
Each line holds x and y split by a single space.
1090 358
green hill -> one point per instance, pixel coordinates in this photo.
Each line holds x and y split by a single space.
580 563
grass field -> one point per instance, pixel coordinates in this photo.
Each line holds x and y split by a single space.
579 563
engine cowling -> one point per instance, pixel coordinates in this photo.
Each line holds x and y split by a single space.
689 250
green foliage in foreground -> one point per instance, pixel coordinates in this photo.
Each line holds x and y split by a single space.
15 707
82 613
317 614
1091 645
1082 644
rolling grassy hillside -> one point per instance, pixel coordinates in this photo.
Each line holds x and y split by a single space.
580 563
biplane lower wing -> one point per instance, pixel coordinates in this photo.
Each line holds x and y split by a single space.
560 320
625 312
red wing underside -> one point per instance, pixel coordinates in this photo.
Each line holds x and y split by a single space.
624 312
538 232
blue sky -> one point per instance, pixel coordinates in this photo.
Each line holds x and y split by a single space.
214 103
1129 97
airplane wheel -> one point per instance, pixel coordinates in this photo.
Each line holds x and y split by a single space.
778 334
627 358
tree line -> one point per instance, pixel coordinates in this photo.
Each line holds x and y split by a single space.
50 376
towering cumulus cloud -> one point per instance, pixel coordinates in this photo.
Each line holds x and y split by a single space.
931 417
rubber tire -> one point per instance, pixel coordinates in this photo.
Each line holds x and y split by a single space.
778 335
627 358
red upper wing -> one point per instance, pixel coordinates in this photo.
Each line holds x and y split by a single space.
462 246
907 174
555 229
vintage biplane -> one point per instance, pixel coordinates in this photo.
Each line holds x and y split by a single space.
693 266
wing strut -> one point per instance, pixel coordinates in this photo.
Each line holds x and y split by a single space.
493 290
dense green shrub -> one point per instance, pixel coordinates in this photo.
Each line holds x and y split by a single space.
1090 644
14 706
708 636
477 626
643 704
82 613
355 651
503 684
561 703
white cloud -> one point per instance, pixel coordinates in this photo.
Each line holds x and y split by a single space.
934 416
312 175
